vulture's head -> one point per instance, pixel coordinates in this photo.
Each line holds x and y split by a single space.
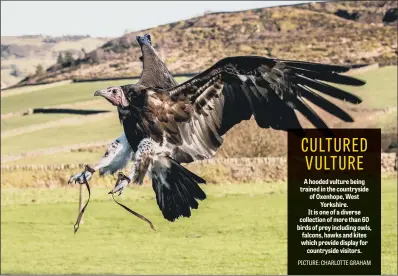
115 95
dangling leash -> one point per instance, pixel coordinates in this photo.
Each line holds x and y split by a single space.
87 168
121 176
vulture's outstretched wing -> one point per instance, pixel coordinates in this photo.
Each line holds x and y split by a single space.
205 107
154 71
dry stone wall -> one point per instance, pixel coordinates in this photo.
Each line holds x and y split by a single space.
269 169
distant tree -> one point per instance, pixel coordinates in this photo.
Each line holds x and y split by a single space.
39 71
68 59
60 59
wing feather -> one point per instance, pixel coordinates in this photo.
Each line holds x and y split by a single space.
236 88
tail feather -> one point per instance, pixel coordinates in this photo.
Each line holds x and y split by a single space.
176 189
189 198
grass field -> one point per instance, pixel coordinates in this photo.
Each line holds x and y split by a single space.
29 89
24 121
75 157
239 229
63 135
39 118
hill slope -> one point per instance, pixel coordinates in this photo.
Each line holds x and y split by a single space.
21 54
317 32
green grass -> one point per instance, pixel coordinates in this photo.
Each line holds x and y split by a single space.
75 157
32 88
239 229
104 129
25 121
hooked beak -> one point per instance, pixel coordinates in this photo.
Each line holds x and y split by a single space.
99 93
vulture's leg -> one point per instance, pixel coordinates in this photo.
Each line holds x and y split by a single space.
142 160
115 158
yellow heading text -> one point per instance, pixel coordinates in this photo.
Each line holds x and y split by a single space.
334 145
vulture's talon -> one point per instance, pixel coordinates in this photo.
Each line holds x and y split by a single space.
121 184
119 187
79 177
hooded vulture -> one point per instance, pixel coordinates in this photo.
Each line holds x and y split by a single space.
183 123
119 152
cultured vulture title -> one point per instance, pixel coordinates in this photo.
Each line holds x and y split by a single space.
329 146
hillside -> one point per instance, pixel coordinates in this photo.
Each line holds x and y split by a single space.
20 55
336 32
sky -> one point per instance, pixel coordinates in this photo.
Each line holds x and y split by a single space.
107 19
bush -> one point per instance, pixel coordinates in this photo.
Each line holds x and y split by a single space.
97 56
247 139
68 60
39 71
60 59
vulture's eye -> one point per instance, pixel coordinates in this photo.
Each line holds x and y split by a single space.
114 91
